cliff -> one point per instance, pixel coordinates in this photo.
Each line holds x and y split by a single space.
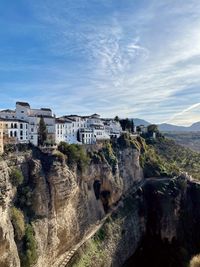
157 225
96 209
62 203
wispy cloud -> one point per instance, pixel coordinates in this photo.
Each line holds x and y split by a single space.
136 58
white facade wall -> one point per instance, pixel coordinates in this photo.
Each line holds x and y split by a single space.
60 132
113 128
18 130
87 136
22 111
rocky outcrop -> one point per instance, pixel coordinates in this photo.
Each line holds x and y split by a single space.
8 249
66 204
157 225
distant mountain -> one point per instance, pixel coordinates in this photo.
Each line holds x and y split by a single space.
138 122
195 126
164 127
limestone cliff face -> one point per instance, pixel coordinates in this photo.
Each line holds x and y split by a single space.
157 225
8 249
66 203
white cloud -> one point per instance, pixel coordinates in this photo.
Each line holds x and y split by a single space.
138 64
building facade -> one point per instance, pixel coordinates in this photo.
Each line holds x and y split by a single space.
30 119
22 126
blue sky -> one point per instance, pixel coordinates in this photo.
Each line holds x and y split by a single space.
132 58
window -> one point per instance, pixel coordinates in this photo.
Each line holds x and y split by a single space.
21 126
11 134
21 133
15 134
22 111
15 125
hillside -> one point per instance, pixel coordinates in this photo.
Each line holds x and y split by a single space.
181 158
188 139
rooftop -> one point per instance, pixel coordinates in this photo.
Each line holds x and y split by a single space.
24 104
7 110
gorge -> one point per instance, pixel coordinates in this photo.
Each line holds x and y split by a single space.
96 206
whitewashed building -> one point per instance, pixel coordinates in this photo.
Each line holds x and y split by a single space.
31 116
112 127
17 129
87 136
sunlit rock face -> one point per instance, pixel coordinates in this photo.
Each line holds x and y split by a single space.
66 203
8 249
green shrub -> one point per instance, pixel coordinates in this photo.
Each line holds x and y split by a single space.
178 156
59 155
29 255
17 219
75 154
110 156
124 141
128 141
155 166
16 177
100 235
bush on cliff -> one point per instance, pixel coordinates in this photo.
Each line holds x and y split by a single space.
17 219
126 140
16 177
29 255
75 154
155 166
110 156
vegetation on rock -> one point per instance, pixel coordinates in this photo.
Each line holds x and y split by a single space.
29 254
178 157
16 177
75 154
42 132
17 218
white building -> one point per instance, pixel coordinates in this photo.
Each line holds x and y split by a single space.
87 136
18 129
113 128
75 129
24 112
65 131
95 123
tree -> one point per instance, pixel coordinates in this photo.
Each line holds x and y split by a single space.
126 124
116 118
42 133
153 128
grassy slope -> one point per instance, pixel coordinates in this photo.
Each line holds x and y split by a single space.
178 156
